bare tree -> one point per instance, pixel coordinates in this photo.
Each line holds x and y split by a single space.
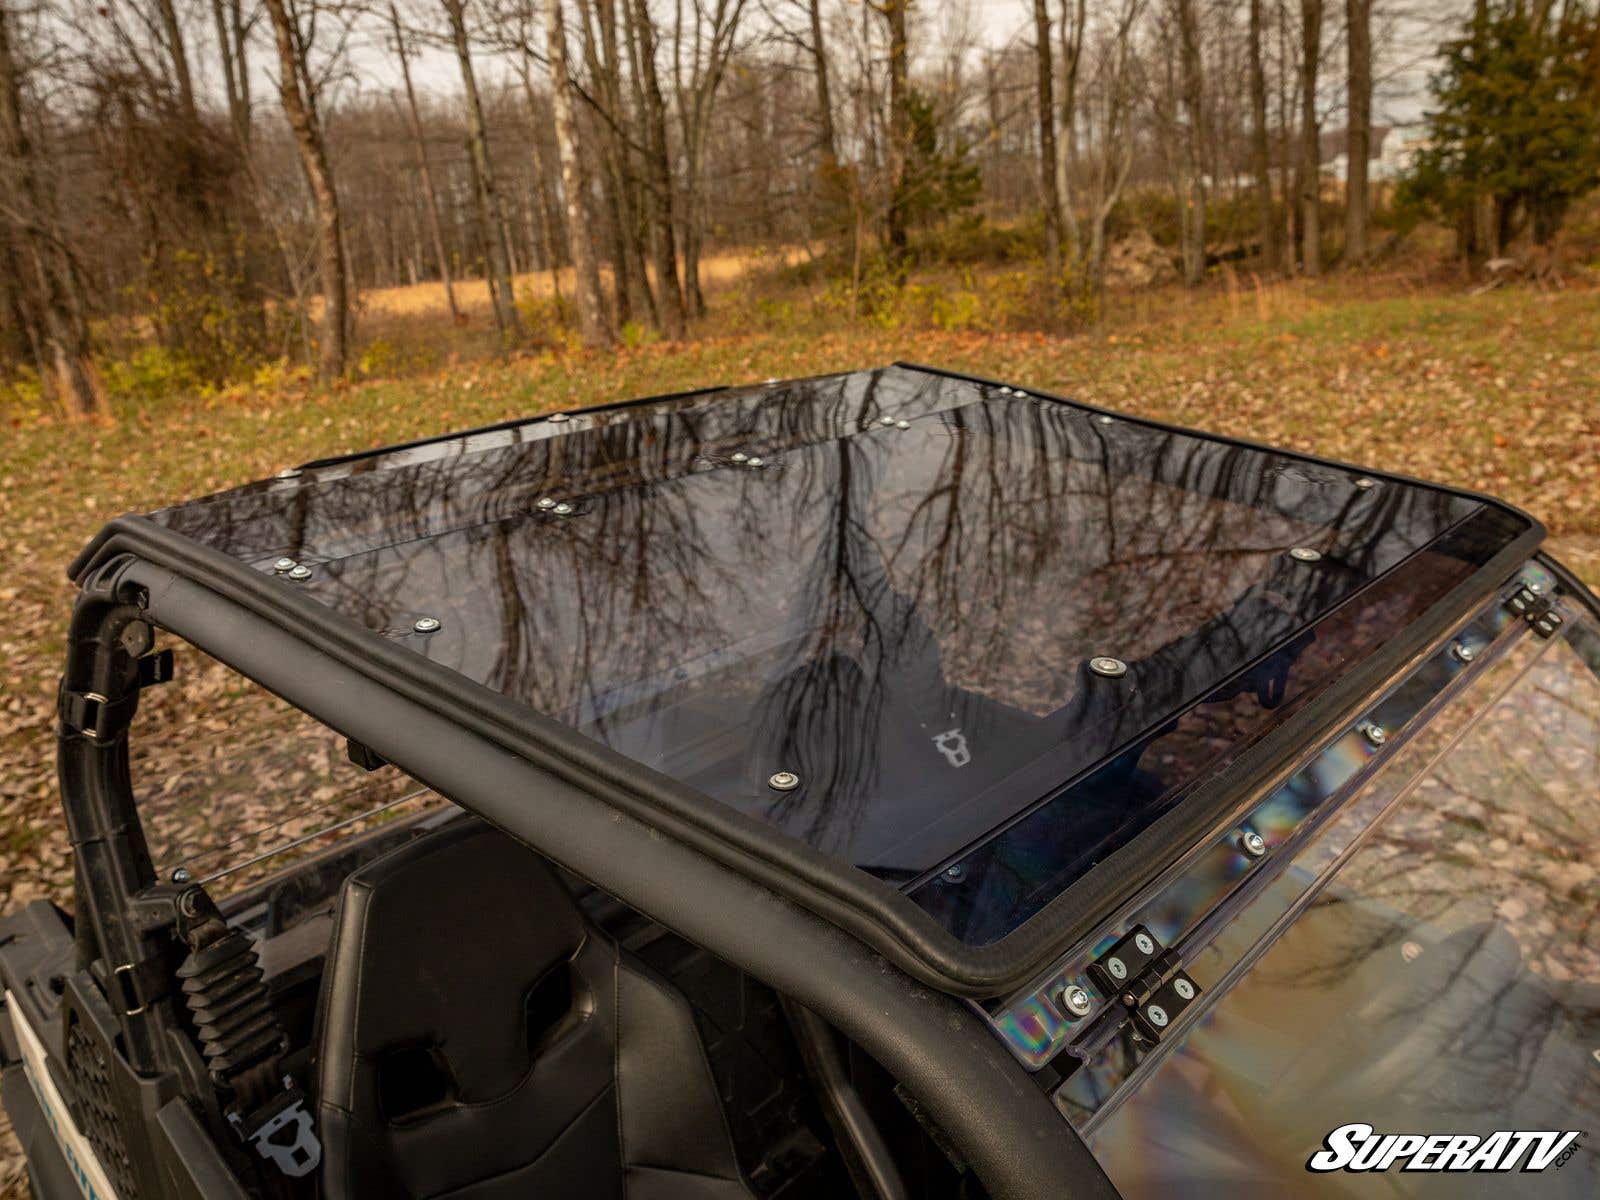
297 92
1193 202
1310 138
1110 140
896 233
1044 95
1358 136
819 65
491 216
1073 20
63 347
1260 146
430 199
592 324
658 169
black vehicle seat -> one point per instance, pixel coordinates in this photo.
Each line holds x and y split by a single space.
481 1039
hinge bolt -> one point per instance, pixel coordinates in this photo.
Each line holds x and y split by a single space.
1254 844
1075 1001
1377 735
1462 652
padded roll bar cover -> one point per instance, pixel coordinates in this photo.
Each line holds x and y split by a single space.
1000 1120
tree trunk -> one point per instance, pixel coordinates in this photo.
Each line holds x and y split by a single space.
819 58
658 174
1193 95
300 107
58 329
592 324
490 218
895 231
1358 139
424 169
1261 147
1046 103
178 55
1310 141
1067 134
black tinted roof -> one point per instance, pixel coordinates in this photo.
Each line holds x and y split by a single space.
892 584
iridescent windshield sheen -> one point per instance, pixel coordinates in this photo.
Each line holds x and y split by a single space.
1446 981
890 584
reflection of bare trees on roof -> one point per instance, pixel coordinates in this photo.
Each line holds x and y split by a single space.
836 611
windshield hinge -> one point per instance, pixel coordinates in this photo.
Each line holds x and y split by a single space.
1147 980
1536 609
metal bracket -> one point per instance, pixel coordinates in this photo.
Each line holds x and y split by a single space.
1147 980
156 668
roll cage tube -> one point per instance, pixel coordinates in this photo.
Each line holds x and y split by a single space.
994 1113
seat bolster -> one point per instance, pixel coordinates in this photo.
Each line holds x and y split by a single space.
671 1118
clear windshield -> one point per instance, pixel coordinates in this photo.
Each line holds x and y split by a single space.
1447 982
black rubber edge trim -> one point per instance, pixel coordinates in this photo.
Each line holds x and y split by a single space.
512 423
933 1044
878 914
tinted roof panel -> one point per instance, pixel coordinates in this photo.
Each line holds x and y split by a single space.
890 583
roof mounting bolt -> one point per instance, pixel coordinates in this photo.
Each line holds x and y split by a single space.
426 625
1075 1001
544 503
180 875
885 420
740 456
1365 484
783 781
1254 844
756 461
563 509
1005 391
289 473
771 382
1019 394
557 417
902 424
284 564
1104 420
1305 554
1109 668
1463 652
955 873
299 573
1376 735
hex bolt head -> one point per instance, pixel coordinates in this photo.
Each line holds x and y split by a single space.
1305 554
544 503
1075 1001
1463 652
280 565
1157 1016
299 573
1377 735
1254 844
181 875
426 624
783 781
1184 988
1108 667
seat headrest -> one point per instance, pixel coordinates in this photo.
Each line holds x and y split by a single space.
441 948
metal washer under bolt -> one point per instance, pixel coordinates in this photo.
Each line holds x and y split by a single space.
426 624
783 781
1305 554
1110 668
1254 844
1075 1001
